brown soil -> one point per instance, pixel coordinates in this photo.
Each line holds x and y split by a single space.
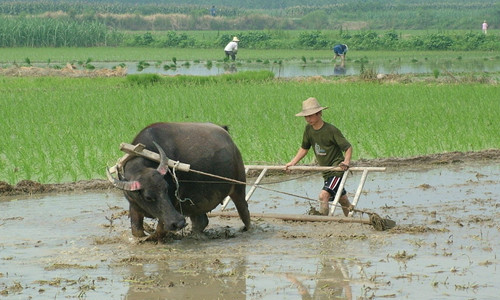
32 187
68 71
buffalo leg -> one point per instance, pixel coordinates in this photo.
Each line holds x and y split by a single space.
136 222
238 197
160 231
199 223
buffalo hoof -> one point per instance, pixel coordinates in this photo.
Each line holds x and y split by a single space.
155 237
199 236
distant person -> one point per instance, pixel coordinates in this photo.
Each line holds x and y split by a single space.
232 49
485 27
340 50
329 145
212 11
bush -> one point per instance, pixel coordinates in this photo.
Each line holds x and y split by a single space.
315 40
438 42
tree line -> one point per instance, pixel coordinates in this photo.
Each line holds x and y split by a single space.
54 32
265 14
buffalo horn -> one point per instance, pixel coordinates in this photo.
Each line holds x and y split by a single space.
123 184
162 167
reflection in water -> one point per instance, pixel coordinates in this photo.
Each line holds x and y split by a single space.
230 68
332 283
187 279
339 69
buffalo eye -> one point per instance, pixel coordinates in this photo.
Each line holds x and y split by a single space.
148 197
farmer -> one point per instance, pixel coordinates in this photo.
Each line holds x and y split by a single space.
328 144
340 50
232 48
485 27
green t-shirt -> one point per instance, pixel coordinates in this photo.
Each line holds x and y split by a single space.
328 144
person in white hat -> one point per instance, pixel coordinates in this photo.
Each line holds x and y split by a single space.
329 146
231 49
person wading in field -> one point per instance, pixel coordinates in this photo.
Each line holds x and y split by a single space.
231 48
329 145
340 50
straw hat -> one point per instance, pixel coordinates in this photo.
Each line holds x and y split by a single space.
235 39
310 107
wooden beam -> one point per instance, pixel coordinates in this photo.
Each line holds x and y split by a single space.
312 168
291 217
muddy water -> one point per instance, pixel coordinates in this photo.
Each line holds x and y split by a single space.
445 246
324 68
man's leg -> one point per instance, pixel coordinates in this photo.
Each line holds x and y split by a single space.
346 205
324 209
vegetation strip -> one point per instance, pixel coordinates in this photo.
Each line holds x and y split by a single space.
69 129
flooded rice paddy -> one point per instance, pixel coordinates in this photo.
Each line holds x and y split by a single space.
320 68
445 244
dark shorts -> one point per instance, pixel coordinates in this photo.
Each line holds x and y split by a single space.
332 185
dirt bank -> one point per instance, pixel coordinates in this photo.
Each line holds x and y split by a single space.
68 71
32 187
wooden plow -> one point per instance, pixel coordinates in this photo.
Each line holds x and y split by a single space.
376 221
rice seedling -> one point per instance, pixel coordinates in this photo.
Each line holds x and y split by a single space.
436 73
77 142
141 65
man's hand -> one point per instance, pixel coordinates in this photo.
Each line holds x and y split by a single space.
344 166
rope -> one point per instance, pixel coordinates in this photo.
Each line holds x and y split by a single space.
174 176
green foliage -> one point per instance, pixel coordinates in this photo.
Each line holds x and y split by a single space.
83 137
45 32
314 40
436 73
143 79
154 79
248 39
438 42
315 20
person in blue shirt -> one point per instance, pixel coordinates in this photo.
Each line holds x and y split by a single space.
340 50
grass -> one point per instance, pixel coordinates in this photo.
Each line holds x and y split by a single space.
68 129
135 54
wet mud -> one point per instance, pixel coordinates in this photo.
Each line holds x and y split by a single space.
74 241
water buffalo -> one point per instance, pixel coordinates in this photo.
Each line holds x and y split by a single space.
153 191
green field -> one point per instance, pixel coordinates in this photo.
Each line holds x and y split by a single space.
68 129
